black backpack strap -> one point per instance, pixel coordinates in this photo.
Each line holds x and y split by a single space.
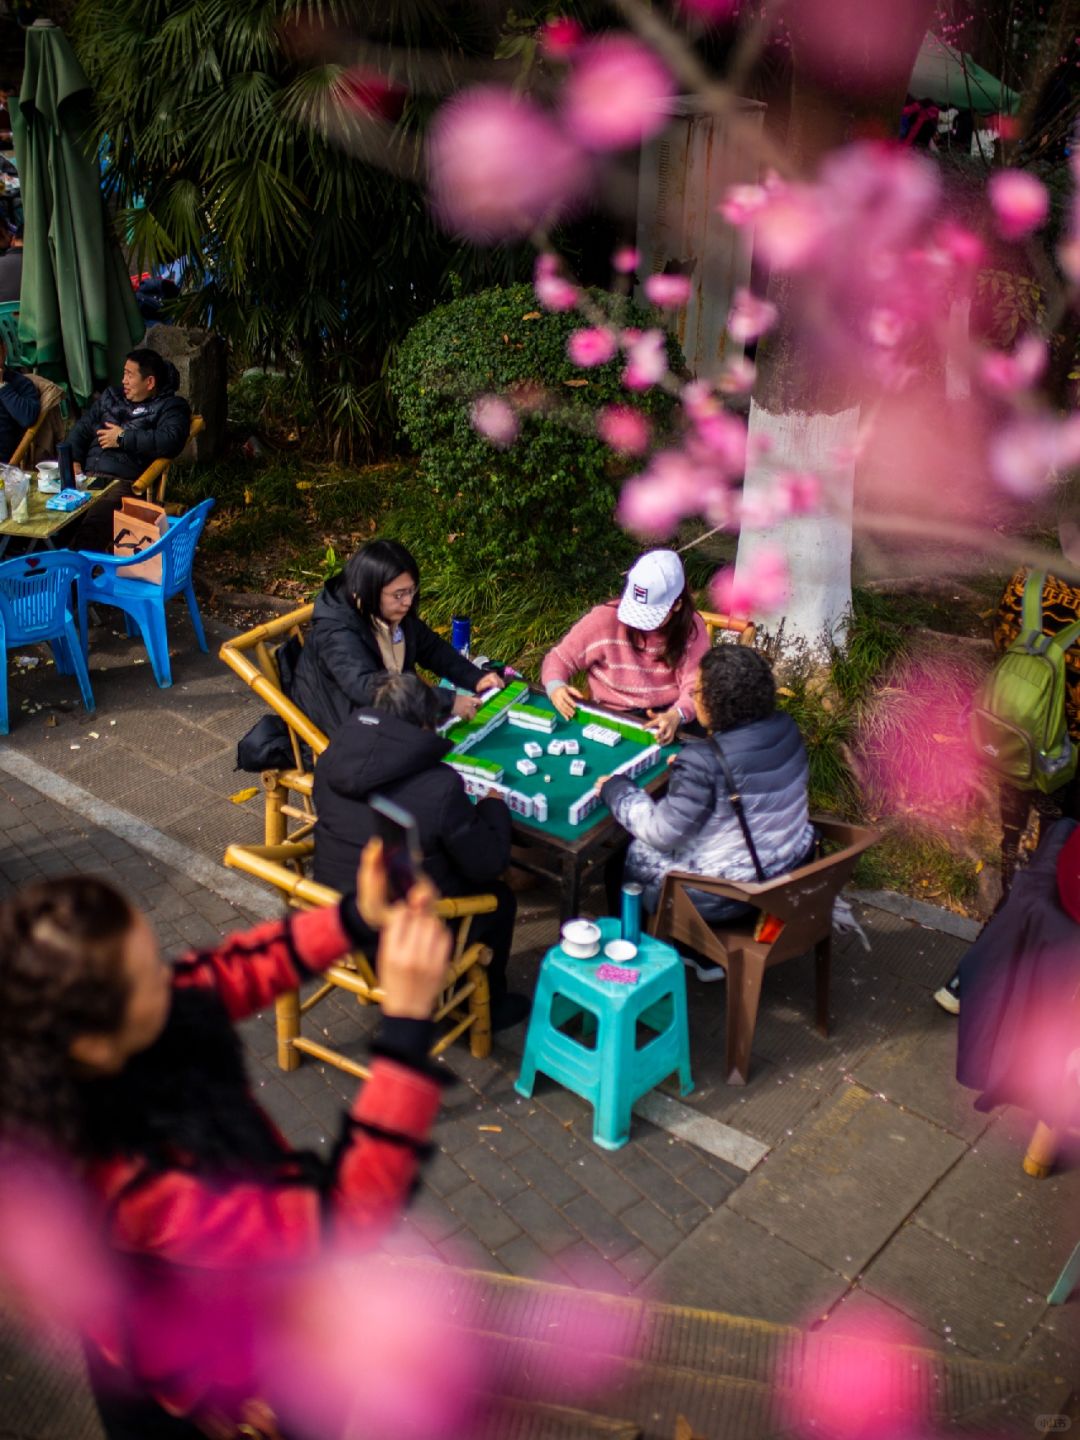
735 800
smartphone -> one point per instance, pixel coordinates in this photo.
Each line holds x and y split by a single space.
400 838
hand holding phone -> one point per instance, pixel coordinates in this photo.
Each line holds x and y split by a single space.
402 856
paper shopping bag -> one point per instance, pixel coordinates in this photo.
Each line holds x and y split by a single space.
136 526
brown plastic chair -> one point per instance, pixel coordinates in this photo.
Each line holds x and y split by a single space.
50 396
465 1003
802 901
153 480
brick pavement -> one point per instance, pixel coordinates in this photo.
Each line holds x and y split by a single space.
884 1189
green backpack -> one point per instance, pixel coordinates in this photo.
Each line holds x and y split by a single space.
1018 721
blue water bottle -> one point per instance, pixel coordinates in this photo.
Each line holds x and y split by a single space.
461 633
631 912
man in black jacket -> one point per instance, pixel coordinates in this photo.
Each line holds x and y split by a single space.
20 405
128 427
390 748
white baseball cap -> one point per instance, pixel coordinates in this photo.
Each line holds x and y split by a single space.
653 585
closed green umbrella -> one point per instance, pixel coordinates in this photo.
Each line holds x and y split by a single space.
77 317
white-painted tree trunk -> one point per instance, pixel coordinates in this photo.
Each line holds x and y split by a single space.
818 546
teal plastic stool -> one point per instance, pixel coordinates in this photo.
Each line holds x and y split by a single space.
615 1071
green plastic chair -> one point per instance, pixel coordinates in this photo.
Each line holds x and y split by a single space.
615 1071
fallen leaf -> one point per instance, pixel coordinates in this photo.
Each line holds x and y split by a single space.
575 384
979 866
783 690
491 1129
51 720
93 735
532 315
304 484
242 796
76 747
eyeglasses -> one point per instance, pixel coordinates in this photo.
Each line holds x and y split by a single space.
401 595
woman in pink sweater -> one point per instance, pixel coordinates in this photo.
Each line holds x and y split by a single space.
640 653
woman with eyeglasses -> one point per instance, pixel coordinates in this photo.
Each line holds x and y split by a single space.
365 626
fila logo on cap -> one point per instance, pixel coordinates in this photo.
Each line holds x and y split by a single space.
641 594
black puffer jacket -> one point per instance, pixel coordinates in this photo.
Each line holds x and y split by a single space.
155 429
341 660
465 846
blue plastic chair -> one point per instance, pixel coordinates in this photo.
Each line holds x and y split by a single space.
142 601
35 606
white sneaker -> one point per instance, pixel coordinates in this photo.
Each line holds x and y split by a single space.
709 974
948 1000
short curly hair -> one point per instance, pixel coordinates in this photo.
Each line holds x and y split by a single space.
737 687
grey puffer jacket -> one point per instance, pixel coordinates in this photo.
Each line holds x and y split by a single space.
693 826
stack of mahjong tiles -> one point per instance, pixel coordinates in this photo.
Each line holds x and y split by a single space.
464 734
531 717
601 734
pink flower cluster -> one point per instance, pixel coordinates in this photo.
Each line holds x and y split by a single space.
501 165
761 586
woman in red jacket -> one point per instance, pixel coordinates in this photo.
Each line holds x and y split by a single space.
132 1067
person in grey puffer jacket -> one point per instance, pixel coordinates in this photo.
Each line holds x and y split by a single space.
694 827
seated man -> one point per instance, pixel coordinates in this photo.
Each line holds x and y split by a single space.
695 826
126 429
390 748
20 405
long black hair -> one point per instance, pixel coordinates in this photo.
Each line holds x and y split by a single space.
373 567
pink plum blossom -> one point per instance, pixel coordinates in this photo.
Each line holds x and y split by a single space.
1007 374
737 377
791 227
552 290
720 438
742 202
797 492
759 586
750 317
961 245
646 361
493 418
626 260
668 490
1019 201
855 1386
1026 454
594 346
500 166
617 95
713 10
886 326
668 291
624 429
560 37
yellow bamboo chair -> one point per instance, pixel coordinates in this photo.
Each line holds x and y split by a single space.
465 1003
50 396
716 622
153 480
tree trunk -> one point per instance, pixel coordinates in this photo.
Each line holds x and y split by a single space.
801 418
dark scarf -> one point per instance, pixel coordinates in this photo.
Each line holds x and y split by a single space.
186 1102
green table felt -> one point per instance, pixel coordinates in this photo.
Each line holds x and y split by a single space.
506 745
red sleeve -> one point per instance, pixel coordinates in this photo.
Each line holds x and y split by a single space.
389 1126
254 967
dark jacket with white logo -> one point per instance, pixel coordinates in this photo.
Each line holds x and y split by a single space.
155 429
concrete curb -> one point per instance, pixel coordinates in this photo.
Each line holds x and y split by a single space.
174 853
933 917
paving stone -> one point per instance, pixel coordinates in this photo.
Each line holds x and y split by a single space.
848 1180
918 1071
466 1251
444 1174
491 1171
733 1265
712 1183
652 1228
525 1258
582 1265
599 1177
490 1222
954 1294
541 1221
432 1218
544 1175
599 1227
636 1266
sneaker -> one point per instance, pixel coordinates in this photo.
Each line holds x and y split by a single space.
948 997
509 1010
705 970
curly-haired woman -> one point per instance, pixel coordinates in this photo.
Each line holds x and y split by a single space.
694 826
130 1070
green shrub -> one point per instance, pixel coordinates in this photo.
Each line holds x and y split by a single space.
545 505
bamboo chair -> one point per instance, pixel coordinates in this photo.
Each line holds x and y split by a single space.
716 622
152 482
51 397
253 656
465 1003
802 901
